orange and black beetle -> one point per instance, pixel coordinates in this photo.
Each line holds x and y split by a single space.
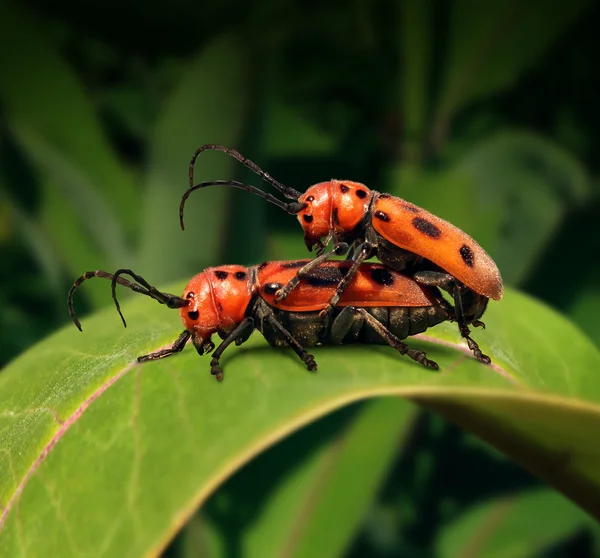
403 236
379 306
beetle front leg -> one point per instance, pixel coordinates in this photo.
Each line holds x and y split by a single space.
241 333
339 249
176 348
362 253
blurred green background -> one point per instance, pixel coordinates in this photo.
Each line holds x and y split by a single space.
485 113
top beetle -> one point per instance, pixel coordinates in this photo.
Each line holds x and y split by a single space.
402 236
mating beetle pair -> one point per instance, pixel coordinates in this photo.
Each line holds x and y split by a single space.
312 302
379 306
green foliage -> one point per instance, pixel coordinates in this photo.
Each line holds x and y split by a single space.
484 114
160 437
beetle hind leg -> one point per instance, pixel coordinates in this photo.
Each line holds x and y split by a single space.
393 341
447 282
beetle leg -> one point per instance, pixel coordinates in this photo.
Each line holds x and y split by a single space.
435 279
176 348
338 249
362 253
342 324
393 341
266 313
240 332
448 283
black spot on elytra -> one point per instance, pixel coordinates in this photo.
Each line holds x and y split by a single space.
324 276
310 199
307 218
382 276
467 255
219 306
361 194
262 266
294 265
272 288
334 216
411 208
221 275
344 188
382 216
193 315
385 196
240 275
426 227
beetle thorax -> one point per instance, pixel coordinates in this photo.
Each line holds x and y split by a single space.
335 207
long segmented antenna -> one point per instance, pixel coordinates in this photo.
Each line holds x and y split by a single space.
292 208
172 301
288 192
146 289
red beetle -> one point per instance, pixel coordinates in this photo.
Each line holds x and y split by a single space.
380 306
403 236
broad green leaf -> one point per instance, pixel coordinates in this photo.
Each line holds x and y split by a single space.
490 45
285 499
207 106
516 526
101 455
54 121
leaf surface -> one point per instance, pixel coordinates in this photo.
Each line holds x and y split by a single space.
105 456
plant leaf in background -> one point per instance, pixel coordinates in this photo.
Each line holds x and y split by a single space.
533 183
66 143
516 526
84 431
208 106
491 46
307 495
415 52
519 187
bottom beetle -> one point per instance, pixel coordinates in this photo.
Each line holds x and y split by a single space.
380 306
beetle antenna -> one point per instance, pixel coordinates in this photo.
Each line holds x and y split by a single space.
170 300
145 289
288 192
292 208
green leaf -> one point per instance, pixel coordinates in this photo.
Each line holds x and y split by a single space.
99 454
516 526
491 45
54 121
207 106
285 499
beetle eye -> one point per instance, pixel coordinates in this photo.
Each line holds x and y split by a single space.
310 199
193 315
189 295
